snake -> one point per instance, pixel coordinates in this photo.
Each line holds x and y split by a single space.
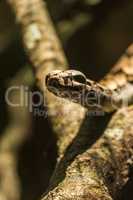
114 91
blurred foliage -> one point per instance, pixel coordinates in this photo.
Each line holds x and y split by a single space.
7 26
92 2
67 29
62 8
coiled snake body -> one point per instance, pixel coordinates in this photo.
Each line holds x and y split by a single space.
113 92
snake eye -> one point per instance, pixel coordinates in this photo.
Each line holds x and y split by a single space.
54 83
79 78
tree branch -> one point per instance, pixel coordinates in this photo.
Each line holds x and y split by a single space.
12 138
101 171
45 52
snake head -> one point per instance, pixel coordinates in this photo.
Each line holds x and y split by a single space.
74 85
65 83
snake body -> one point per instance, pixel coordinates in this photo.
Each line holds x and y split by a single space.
114 91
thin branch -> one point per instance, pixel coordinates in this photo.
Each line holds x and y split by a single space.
12 138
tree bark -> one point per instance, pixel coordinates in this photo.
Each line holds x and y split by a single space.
101 171
46 54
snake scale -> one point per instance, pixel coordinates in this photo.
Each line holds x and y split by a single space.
112 92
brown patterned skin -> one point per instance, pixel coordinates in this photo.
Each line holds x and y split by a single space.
113 92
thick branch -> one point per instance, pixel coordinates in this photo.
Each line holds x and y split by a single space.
101 171
46 54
